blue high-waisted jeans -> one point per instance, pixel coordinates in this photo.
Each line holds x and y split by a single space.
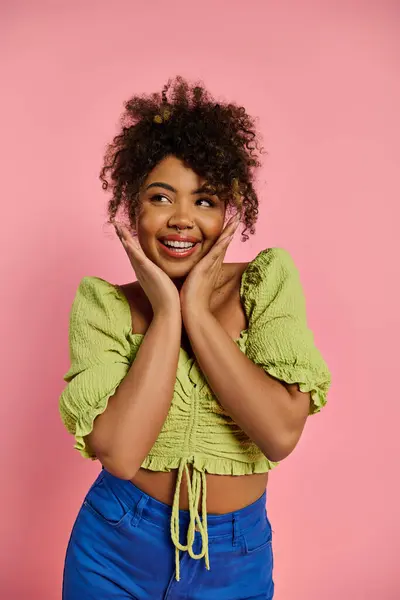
120 548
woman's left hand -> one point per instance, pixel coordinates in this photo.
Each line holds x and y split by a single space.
195 294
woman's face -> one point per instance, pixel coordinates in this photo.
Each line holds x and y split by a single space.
176 210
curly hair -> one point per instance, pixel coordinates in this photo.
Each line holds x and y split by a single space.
218 141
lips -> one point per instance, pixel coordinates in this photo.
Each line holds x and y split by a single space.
178 252
174 237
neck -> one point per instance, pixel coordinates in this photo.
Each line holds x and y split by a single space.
178 282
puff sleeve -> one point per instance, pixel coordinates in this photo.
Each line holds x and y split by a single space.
99 356
279 339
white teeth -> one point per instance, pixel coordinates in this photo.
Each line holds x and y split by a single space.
174 244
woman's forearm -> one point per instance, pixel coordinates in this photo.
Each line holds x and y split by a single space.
124 434
272 415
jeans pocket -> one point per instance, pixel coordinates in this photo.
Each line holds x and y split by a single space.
105 505
258 537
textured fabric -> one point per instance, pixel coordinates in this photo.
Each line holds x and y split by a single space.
120 549
278 337
197 430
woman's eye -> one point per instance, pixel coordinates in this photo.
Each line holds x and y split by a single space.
159 197
209 202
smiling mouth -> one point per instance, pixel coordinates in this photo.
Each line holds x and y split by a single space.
178 249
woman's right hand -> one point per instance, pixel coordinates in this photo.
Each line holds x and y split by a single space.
158 287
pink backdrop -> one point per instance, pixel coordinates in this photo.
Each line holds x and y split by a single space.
324 79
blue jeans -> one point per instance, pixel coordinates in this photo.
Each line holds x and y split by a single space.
120 548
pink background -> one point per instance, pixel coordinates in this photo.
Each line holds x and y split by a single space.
324 79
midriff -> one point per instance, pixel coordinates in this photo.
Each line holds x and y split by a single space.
225 493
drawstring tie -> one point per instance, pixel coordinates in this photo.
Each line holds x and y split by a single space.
195 488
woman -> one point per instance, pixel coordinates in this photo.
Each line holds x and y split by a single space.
191 383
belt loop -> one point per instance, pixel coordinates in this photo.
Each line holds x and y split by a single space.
236 529
139 509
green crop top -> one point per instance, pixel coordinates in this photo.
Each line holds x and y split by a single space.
197 431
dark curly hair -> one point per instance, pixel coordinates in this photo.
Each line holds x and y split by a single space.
218 141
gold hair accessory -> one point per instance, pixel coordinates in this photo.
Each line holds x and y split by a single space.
164 116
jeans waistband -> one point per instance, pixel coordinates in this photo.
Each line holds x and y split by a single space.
160 513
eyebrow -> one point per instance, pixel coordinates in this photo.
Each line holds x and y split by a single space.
201 190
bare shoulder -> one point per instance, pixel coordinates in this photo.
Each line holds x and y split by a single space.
131 290
140 306
231 279
234 271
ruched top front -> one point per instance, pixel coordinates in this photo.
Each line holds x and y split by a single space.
197 431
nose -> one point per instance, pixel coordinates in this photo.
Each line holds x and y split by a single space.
181 218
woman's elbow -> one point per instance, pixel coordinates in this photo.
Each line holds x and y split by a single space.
118 468
282 448
123 468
